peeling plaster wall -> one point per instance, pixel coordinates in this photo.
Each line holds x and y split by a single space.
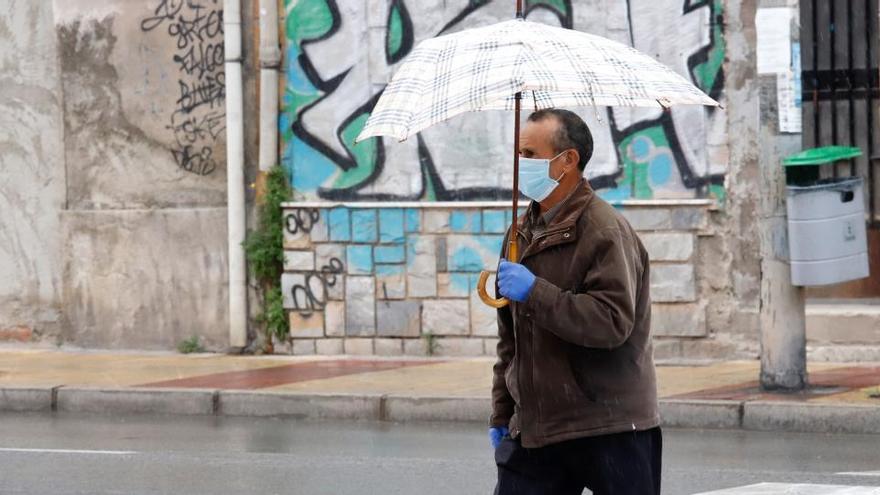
32 188
144 120
113 154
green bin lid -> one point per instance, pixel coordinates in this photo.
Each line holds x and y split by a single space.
819 156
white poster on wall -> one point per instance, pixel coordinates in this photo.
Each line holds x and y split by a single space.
789 107
773 26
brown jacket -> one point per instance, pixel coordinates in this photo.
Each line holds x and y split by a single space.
575 359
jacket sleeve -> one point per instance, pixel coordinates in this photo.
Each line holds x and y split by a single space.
601 314
502 401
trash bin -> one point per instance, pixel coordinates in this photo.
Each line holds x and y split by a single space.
827 237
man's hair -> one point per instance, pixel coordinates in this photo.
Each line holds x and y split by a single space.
572 132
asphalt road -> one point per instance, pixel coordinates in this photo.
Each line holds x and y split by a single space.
66 454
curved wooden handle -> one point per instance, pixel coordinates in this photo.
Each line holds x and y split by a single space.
485 297
484 277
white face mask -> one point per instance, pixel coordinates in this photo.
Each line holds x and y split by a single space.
534 177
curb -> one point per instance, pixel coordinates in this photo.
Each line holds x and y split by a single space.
813 418
27 399
399 408
130 401
695 413
312 406
676 413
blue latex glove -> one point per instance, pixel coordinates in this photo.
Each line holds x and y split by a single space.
515 281
496 433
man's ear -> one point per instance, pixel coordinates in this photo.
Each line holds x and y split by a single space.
571 159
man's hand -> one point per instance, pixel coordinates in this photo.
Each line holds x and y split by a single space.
515 281
496 433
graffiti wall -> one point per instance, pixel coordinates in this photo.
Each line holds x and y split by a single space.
401 279
341 55
143 115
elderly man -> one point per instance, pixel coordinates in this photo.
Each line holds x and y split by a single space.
574 394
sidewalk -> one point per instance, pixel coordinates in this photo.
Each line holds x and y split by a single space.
842 398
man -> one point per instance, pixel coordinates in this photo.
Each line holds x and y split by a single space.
574 393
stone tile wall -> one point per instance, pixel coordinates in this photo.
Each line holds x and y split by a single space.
399 279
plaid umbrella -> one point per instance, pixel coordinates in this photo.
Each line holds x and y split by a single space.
489 68
483 69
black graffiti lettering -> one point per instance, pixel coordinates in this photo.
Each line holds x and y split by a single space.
166 10
201 163
301 220
211 91
196 26
189 129
330 271
202 58
311 295
199 28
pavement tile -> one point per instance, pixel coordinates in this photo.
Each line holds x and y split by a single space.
459 378
280 375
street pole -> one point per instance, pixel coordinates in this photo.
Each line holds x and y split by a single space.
782 320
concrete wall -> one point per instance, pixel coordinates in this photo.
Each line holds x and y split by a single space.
340 55
113 198
32 172
144 145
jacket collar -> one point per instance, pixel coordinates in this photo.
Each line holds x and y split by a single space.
571 210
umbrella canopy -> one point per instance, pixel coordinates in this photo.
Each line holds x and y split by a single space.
483 68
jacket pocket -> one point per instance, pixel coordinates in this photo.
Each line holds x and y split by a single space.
583 363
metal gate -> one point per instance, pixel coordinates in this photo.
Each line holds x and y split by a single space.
839 58
839 43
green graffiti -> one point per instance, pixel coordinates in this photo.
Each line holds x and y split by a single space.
718 193
364 155
307 20
557 5
301 99
430 192
707 73
637 157
395 33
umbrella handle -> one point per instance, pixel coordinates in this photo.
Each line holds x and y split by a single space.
484 278
485 297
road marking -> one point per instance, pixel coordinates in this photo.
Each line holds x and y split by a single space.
796 489
69 451
859 473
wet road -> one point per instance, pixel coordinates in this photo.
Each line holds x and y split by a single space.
67 454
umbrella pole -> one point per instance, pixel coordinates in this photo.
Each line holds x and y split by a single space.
512 251
512 254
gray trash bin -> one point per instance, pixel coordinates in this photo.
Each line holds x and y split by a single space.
826 232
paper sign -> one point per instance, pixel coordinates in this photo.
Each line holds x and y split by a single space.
789 108
773 26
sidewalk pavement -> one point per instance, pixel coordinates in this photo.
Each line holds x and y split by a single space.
843 398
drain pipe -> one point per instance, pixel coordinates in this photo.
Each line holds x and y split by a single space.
235 175
270 62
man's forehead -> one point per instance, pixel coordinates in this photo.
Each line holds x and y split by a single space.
537 133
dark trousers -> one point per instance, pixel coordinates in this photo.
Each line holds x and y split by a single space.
620 463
